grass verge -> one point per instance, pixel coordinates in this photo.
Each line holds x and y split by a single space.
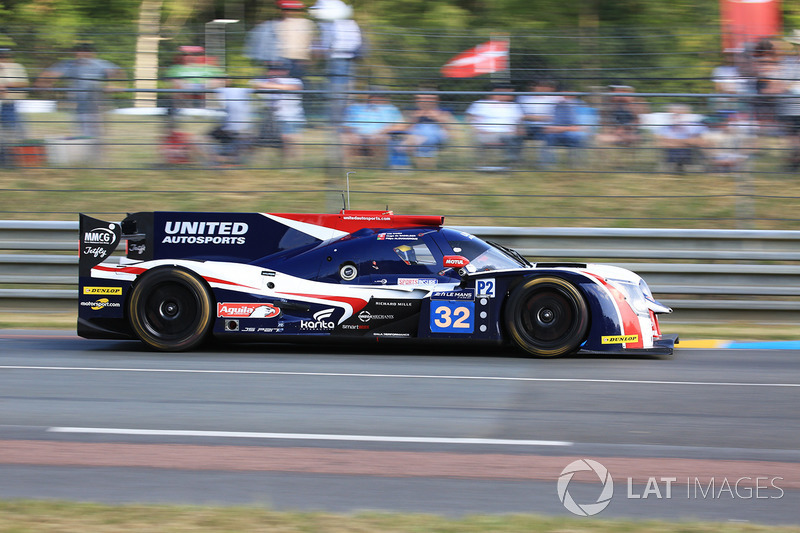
44 516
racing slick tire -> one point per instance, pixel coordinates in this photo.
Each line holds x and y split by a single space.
547 317
170 309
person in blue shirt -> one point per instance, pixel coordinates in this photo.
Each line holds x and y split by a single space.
368 125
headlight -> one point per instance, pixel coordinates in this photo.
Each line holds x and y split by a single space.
636 294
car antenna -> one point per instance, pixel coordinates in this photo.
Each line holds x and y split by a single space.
347 180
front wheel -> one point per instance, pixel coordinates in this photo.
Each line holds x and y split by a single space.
170 309
547 317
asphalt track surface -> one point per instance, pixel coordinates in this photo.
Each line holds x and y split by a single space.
711 435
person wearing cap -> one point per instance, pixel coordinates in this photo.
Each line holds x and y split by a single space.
12 76
788 83
194 73
88 77
289 38
283 111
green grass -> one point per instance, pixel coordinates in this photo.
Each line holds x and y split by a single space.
42 516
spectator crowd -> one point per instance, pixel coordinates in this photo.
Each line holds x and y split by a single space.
754 94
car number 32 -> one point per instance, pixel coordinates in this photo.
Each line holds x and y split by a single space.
452 317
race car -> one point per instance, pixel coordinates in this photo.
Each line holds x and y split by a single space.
187 277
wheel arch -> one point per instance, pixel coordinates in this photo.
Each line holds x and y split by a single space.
172 267
584 288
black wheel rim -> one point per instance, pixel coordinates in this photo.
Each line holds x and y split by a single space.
170 311
549 317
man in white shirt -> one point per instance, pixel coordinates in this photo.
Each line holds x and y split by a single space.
497 123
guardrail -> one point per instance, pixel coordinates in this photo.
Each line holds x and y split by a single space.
712 275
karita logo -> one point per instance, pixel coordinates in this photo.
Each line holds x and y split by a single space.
100 236
185 232
320 321
585 509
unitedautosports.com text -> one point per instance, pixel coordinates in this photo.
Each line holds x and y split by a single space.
745 488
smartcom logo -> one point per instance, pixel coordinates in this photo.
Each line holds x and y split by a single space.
606 491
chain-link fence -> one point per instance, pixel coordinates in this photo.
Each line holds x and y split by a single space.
629 116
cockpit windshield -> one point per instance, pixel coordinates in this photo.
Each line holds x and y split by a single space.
482 255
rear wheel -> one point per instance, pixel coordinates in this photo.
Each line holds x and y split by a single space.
547 317
170 309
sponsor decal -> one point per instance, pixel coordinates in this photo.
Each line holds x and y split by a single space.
452 317
136 249
453 295
366 316
618 339
455 261
396 237
99 236
485 288
394 303
321 321
111 291
354 326
384 334
269 330
247 310
417 281
98 240
185 232
101 303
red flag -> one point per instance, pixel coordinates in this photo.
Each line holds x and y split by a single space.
745 21
491 56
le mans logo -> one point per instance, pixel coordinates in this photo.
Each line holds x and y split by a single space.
107 291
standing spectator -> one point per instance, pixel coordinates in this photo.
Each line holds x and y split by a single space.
12 76
368 126
728 80
681 138
789 108
429 129
295 35
766 82
87 77
289 39
341 44
538 109
497 123
284 110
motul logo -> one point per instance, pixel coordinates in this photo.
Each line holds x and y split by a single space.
455 261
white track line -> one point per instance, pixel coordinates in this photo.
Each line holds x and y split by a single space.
401 376
304 436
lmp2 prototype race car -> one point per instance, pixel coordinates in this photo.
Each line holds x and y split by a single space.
190 276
